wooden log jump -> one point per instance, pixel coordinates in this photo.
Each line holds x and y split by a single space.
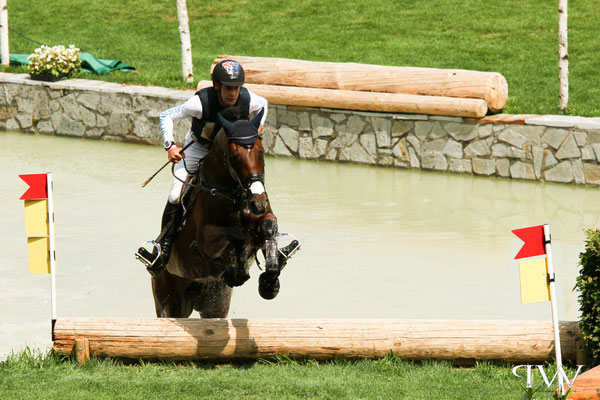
371 101
463 341
488 86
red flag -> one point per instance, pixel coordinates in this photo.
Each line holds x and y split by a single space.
534 241
37 187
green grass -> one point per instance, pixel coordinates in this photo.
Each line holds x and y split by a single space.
517 38
31 375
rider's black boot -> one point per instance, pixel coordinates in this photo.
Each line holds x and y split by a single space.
170 216
155 263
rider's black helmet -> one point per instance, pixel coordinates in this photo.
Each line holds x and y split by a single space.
229 73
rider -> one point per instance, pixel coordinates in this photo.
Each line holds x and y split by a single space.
227 91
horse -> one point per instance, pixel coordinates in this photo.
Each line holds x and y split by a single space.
227 220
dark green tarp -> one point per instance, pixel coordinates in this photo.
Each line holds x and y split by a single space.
89 63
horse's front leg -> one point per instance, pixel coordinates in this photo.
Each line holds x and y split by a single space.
238 273
269 231
268 282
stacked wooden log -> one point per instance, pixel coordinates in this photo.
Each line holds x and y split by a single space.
587 386
229 339
374 87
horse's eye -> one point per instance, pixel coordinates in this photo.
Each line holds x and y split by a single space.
235 156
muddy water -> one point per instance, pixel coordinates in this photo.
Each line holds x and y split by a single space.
376 242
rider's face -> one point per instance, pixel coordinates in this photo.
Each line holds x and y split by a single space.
228 95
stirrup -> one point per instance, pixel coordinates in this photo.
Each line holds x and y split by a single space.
289 250
149 259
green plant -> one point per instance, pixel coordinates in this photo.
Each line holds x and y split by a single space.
529 392
54 60
563 396
588 285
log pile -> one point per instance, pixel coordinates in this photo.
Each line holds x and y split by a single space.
370 101
463 341
375 87
587 385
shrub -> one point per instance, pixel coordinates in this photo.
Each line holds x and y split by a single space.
54 60
588 284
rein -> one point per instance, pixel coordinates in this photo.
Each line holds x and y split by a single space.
231 194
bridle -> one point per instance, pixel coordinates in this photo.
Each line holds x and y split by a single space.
245 182
237 196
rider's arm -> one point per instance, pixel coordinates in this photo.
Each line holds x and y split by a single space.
256 103
191 108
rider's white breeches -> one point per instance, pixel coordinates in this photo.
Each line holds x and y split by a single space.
193 155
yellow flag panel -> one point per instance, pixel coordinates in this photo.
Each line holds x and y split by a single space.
36 218
534 280
39 258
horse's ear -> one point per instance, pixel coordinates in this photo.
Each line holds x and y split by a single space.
256 120
228 126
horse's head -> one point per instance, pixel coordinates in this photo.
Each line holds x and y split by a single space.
245 161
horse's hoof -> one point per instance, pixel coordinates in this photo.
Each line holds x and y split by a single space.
268 288
232 279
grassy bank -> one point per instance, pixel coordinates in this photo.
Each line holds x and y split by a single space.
514 37
32 376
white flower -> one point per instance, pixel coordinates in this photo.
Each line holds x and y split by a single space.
54 60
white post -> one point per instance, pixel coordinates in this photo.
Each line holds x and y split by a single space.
186 44
51 245
552 279
563 56
4 33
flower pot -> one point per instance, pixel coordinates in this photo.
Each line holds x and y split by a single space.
48 77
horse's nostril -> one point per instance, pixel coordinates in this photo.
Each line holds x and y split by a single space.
256 208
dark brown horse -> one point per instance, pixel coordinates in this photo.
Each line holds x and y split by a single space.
228 219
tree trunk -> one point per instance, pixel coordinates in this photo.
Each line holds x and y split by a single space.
489 86
367 101
229 339
563 56
4 33
586 386
186 45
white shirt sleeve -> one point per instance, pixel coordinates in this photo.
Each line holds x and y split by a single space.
256 103
191 108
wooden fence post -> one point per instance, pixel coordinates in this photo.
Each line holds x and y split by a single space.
82 350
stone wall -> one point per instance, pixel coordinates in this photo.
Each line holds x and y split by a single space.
545 148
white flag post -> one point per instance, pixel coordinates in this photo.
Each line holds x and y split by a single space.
51 244
551 280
